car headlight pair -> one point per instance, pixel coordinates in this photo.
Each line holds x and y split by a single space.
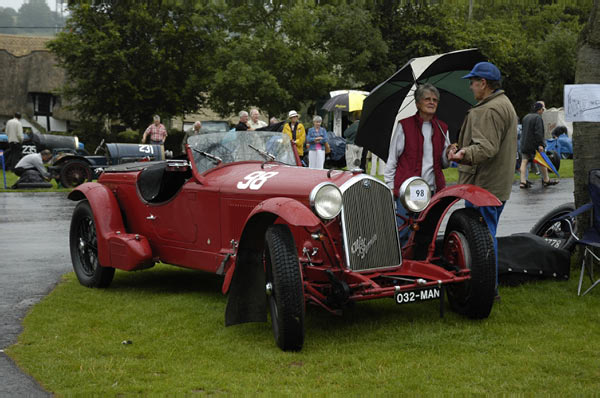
415 194
326 200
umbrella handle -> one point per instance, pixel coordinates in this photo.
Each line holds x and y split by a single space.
447 140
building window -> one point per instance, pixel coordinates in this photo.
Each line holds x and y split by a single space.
42 103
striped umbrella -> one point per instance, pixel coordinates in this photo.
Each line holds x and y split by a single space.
393 99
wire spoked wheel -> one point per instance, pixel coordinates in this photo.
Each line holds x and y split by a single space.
75 173
556 233
469 245
83 243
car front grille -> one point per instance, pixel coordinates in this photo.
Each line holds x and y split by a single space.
369 225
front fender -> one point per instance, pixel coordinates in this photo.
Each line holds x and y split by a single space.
290 210
430 219
245 279
264 214
116 248
65 157
474 194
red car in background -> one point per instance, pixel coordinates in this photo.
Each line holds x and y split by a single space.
282 236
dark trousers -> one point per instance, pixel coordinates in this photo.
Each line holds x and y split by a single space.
14 155
19 171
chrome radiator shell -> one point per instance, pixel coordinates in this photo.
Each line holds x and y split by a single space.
369 225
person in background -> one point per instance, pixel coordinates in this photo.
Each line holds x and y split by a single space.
487 144
254 122
354 153
193 131
532 140
34 163
243 124
560 142
316 139
156 131
418 148
14 131
273 121
295 130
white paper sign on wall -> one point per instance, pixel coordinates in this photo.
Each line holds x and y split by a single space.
582 102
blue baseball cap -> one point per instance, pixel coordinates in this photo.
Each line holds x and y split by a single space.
485 70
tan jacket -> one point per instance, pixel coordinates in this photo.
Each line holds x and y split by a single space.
489 137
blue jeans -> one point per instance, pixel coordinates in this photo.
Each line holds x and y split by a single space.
402 235
491 215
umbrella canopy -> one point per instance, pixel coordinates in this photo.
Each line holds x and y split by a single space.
349 102
393 99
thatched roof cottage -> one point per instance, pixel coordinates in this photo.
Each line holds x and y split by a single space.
30 80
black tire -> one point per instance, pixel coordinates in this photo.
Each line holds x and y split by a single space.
84 249
468 244
75 172
285 293
557 233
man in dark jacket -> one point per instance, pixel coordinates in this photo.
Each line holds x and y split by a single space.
532 139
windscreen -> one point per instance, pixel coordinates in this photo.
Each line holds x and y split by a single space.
212 149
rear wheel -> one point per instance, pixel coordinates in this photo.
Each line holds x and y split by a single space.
84 249
285 294
74 173
556 233
469 245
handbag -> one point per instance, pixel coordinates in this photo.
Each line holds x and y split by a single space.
327 148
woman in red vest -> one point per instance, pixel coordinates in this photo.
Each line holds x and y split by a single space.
419 148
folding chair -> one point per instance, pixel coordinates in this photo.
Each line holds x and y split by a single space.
591 237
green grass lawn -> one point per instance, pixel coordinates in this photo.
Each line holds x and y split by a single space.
11 178
541 338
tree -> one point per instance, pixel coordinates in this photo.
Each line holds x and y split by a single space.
128 60
36 14
7 20
267 59
279 57
585 135
353 44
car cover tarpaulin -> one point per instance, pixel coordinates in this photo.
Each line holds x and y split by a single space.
525 257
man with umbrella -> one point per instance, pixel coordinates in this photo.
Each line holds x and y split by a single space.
418 148
488 143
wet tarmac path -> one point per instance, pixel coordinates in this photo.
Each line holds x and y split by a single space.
34 253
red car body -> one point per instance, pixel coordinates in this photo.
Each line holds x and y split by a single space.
230 209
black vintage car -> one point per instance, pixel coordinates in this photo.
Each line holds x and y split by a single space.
73 168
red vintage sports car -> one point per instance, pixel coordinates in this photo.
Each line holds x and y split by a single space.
282 235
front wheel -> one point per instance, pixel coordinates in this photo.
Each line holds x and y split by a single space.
556 233
74 173
469 245
285 294
83 242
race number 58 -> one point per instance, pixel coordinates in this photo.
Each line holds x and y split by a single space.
255 180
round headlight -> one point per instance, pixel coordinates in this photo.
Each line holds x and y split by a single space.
326 200
415 194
